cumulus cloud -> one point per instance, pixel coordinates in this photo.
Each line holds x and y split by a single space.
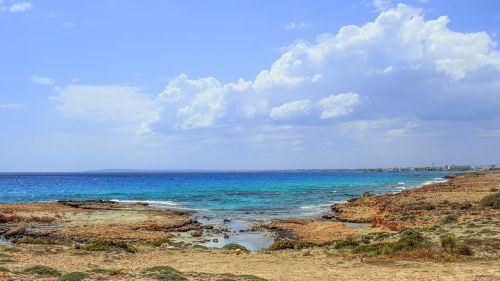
16 7
400 66
289 110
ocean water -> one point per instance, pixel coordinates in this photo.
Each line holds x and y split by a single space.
240 195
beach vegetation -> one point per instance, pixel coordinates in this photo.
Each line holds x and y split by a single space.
97 245
234 246
451 244
290 245
165 272
74 276
409 240
106 245
450 219
491 201
161 241
110 272
41 270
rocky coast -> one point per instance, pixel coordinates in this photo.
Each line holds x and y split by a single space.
442 231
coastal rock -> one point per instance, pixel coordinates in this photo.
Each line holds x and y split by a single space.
196 233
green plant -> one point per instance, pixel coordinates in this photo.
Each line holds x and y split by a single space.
165 273
492 201
97 245
74 276
41 270
290 244
450 243
131 249
450 219
161 241
234 246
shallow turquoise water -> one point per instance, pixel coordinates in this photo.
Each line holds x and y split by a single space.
249 195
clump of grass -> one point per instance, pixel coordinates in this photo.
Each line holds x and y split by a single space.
131 249
105 245
161 241
290 245
451 244
409 240
491 201
450 219
110 272
419 206
41 270
97 245
165 273
234 246
74 276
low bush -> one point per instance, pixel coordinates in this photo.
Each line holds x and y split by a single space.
165 273
491 201
234 246
289 245
450 219
451 244
161 241
74 276
41 270
409 240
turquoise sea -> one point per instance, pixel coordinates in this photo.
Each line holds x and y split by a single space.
241 195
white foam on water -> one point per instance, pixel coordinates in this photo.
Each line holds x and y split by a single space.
166 204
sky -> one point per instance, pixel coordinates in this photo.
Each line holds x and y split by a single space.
112 84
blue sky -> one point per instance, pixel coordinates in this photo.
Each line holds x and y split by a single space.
248 84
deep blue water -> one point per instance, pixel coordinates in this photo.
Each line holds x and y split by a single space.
256 195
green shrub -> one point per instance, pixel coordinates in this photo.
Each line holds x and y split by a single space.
409 240
74 276
450 219
165 273
234 246
450 243
97 245
161 241
491 201
131 249
41 270
290 245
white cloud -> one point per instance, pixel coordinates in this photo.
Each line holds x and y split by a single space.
297 26
400 66
290 110
338 105
42 80
106 103
18 7
9 105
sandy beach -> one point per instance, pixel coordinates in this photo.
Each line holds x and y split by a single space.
376 237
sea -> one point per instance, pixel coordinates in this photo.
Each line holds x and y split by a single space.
248 195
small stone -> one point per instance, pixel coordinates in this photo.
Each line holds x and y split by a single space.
196 233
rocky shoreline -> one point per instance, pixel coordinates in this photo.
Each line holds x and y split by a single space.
438 223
